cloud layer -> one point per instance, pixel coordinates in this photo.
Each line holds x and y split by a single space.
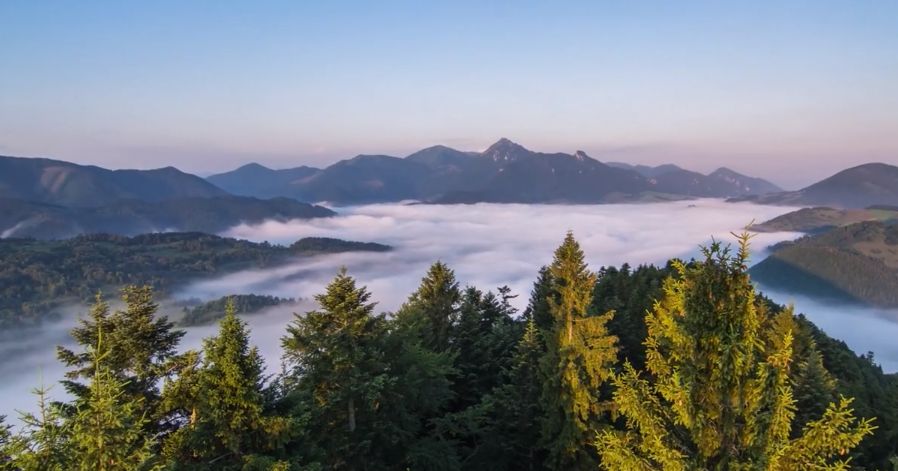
487 245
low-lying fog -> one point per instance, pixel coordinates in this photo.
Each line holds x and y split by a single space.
488 245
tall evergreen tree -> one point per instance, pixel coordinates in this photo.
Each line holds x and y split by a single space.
341 377
108 427
579 355
433 307
140 346
718 396
538 305
227 427
511 440
44 441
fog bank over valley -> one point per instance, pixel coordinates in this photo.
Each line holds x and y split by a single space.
488 245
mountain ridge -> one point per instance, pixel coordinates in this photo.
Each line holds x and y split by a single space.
861 186
505 172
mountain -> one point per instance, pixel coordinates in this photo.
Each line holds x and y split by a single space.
523 176
856 263
721 183
260 181
20 218
68 184
506 172
821 219
857 187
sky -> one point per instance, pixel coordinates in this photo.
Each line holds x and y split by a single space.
792 91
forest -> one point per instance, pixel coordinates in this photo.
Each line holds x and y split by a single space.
38 275
680 367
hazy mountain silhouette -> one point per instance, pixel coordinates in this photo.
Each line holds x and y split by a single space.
505 172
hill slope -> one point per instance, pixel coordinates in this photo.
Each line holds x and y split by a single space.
131 217
856 263
73 185
38 275
820 219
856 187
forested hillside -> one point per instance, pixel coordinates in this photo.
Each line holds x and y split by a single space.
37 275
677 367
28 219
857 263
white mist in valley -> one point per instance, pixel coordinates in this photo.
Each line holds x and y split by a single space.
488 245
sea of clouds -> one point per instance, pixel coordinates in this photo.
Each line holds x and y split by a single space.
488 245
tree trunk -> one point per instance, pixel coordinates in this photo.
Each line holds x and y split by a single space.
351 415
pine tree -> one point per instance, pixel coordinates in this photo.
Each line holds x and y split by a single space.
223 400
336 355
5 450
483 340
512 439
813 387
433 307
578 360
108 426
717 394
141 349
538 305
43 443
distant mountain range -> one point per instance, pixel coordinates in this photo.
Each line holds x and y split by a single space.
857 187
72 185
722 182
856 263
50 199
19 218
47 198
504 173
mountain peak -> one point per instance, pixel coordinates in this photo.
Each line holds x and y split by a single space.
253 166
580 155
505 149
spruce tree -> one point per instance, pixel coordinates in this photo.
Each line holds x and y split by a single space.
341 377
813 387
538 305
224 401
579 355
717 393
512 438
433 307
44 441
141 349
107 430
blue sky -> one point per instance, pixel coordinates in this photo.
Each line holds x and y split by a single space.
787 90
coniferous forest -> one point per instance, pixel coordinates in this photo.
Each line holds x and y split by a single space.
680 367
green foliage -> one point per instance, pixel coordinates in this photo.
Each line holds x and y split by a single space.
36 276
214 310
433 308
227 424
43 443
454 381
579 355
630 294
336 356
855 263
365 388
108 428
139 350
511 437
718 394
